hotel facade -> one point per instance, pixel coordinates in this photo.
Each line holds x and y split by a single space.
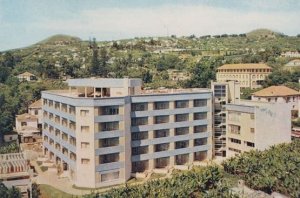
102 131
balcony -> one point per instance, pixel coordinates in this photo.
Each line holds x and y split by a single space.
109 158
161 133
181 131
161 147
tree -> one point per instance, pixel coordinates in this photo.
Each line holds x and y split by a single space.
9 192
35 190
94 67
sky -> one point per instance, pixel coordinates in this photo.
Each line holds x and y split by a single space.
25 22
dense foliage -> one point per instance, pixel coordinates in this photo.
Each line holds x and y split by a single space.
200 182
9 192
9 148
275 169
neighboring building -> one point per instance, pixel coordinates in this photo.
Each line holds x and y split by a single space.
105 130
248 75
223 93
256 125
15 171
293 54
279 94
292 65
29 125
10 137
36 109
26 76
177 75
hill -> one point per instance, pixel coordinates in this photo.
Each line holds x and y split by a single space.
60 38
263 33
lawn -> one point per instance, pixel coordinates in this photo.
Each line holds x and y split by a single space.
50 192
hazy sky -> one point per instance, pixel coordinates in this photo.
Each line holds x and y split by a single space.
24 22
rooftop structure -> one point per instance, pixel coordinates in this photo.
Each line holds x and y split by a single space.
103 131
276 91
248 75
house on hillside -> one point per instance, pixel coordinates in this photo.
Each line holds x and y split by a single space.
27 76
10 137
292 65
177 75
293 54
279 94
249 75
29 125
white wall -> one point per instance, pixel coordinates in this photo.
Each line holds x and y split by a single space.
272 125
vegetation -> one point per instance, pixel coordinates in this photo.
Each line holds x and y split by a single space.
9 192
200 182
50 192
9 148
272 170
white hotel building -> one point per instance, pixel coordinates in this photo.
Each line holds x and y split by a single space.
103 130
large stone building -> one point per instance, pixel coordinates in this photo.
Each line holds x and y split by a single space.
293 65
249 75
102 131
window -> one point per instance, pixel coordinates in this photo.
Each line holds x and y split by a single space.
139 150
182 104
72 110
85 129
109 126
23 123
110 176
252 130
84 113
252 116
139 135
181 117
57 105
36 112
162 162
250 144
139 121
108 142
200 156
161 133
109 158
161 147
85 161
64 122
161 105
64 107
234 129
85 145
269 99
276 99
181 131
236 141
161 119
139 106
200 141
181 159
200 129
109 110
200 116
234 150
45 101
182 144
200 103
72 125
140 166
